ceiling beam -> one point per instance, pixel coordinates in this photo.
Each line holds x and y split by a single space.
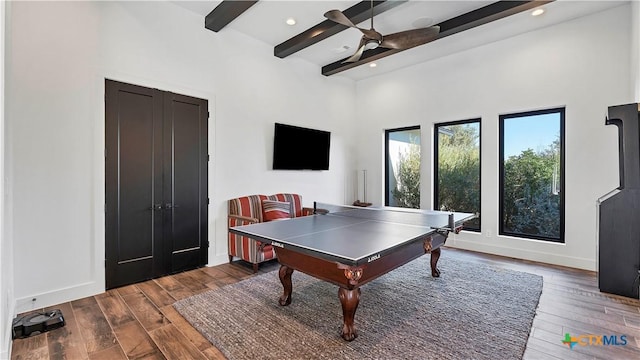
357 14
225 13
481 16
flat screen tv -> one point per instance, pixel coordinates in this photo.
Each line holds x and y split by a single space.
298 148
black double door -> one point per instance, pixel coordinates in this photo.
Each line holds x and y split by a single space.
156 183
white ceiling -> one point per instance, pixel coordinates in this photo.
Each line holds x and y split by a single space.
265 21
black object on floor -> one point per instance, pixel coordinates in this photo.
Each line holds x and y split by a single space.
24 326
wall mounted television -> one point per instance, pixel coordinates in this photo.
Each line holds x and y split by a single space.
298 148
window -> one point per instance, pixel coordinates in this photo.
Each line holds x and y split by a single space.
457 168
402 174
532 175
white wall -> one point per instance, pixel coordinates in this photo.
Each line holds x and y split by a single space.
635 49
7 302
580 64
59 57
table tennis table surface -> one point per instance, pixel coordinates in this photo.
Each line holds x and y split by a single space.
352 235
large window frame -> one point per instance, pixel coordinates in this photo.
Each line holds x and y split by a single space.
501 178
388 164
477 225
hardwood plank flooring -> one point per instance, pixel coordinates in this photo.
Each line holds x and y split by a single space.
139 322
66 342
94 327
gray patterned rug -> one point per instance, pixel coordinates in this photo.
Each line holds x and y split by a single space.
474 311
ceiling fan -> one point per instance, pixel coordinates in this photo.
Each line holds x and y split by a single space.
371 39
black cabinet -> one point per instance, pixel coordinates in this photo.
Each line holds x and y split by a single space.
619 212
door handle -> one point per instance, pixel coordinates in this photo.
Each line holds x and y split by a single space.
170 206
156 207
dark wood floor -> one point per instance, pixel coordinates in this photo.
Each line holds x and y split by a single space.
139 322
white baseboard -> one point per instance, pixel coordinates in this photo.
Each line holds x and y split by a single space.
39 301
6 333
218 260
543 257
8 310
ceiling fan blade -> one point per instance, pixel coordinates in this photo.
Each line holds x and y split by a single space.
338 17
410 38
355 57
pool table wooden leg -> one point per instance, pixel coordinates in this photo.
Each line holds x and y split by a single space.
349 300
285 278
435 255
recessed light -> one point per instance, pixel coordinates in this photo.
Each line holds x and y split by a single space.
291 21
373 65
537 12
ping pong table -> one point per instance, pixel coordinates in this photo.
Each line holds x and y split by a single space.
351 246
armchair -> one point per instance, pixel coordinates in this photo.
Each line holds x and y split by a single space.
249 210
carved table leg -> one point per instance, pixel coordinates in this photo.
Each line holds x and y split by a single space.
435 255
285 278
349 300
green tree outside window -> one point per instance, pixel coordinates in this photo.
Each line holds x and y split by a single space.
458 169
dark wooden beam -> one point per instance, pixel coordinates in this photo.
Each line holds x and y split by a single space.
225 13
357 13
481 16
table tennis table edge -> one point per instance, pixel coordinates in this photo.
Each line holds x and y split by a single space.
279 243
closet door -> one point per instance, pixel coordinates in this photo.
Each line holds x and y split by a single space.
134 186
156 183
186 243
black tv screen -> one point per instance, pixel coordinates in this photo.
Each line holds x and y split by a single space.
298 148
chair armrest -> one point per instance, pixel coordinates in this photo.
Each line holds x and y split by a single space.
239 220
244 220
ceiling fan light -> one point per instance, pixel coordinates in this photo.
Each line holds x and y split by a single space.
371 44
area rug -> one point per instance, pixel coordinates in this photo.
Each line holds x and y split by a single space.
473 311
